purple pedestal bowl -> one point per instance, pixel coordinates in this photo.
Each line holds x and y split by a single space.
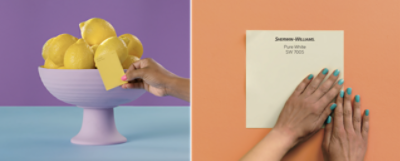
85 89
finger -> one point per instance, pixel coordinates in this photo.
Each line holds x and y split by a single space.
141 63
328 131
327 111
315 82
326 86
356 114
332 93
132 74
365 124
348 111
338 113
136 70
133 86
300 88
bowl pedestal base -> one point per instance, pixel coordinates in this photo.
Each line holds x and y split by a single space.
98 128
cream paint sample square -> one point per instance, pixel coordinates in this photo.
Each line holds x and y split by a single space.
277 61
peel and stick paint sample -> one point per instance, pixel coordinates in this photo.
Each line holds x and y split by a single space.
277 61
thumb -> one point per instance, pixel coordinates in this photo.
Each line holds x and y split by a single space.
328 132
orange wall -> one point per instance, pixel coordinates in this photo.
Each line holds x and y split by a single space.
372 61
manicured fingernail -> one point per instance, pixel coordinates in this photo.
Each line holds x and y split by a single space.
123 78
340 82
333 106
357 98
325 71
336 72
348 91
341 93
366 112
310 76
329 120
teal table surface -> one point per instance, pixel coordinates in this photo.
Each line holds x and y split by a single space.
43 133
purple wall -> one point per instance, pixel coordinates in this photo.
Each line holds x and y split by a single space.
163 26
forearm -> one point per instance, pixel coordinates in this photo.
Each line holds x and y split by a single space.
271 148
180 88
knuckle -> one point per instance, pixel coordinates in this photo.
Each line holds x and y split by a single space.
352 136
346 111
339 109
313 86
325 87
320 90
366 128
357 119
315 109
308 102
330 94
340 132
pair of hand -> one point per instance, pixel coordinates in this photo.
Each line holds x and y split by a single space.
149 75
310 106
306 111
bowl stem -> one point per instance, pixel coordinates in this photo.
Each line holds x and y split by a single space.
98 128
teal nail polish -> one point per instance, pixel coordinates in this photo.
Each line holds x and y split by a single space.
340 82
336 73
366 112
325 71
329 120
357 98
341 93
348 91
333 106
310 76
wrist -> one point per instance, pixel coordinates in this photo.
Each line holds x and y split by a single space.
287 138
178 87
171 85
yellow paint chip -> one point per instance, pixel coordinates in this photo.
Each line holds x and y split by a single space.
110 69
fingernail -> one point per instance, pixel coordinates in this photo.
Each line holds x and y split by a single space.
341 93
123 78
336 72
325 71
348 91
310 76
333 106
357 98
366 112
340 81
328 120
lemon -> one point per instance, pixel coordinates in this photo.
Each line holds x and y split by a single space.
49 64
96 30
112 45
62 68
134 45
58 46
45 49
94 48
126 40
131 59
79 56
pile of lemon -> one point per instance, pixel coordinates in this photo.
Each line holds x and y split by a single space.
98 38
